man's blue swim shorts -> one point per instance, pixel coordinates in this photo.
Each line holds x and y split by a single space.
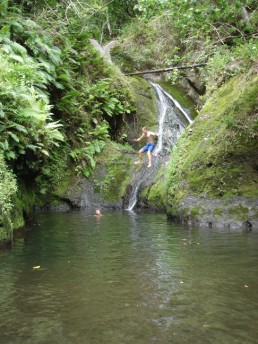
148 147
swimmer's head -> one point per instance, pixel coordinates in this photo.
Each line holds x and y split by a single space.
97 212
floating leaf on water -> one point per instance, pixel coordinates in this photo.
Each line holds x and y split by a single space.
36 267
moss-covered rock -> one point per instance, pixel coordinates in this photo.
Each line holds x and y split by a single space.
179 94
146 106
107 185
153 190
216 158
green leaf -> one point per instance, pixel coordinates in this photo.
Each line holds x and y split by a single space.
18 127
10 155
3 7
16 58
13 136
45 152
5 31
4 145
32 147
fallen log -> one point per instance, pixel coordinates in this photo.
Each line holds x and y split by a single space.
165 69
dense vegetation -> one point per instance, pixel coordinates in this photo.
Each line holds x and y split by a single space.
60 102
219 33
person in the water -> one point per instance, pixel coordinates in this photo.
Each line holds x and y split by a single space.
149 137
98 213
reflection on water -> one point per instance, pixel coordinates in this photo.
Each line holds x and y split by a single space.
128 278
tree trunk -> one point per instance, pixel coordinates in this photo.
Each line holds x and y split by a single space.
166 69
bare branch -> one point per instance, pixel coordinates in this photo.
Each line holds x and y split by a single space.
166 69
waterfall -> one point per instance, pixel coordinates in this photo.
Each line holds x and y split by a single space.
175 103
172 121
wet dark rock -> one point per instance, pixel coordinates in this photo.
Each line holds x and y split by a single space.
228 213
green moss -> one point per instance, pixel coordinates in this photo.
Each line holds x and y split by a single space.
196 211
64 183
179 94
240 213
116 160
154 195
26 200
17 216
185 212
254 210
55 202
145 102
218 211
213 157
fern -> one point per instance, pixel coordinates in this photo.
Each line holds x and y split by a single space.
26 121
3 7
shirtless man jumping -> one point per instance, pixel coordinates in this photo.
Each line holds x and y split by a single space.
149 136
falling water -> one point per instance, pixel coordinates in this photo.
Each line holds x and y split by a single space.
176 104
172 121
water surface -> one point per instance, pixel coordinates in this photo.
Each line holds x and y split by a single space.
128 277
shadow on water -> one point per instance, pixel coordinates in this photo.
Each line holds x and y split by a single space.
128 277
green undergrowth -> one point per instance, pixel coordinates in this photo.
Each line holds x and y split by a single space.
8 190
16 202
217 155
144 45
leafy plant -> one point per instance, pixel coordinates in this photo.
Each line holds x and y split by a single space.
104 101
85 157
8 189
221 19
26 121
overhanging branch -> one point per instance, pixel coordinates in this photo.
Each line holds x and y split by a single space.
166 69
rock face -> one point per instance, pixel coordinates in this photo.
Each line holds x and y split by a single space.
227 213
194 86
193 81
146 107
84 193
107 185
212 179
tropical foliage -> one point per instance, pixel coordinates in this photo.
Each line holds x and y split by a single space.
222 20
49 75
8 189
220 33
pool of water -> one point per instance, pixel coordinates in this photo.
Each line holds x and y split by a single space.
128 277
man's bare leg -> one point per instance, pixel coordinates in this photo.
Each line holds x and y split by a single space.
149 158
139 157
